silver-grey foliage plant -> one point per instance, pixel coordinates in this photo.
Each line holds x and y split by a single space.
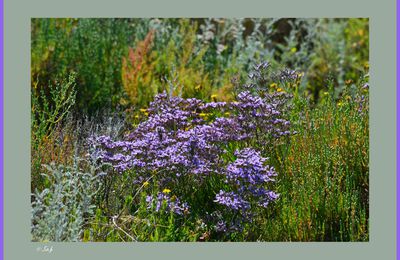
58 212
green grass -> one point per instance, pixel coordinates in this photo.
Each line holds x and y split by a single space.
323 178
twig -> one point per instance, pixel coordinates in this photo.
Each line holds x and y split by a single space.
115 224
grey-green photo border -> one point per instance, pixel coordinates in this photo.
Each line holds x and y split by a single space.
382 17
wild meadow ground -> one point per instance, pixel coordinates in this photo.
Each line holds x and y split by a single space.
279 151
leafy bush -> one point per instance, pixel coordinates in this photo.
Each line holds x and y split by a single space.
50 107
93 48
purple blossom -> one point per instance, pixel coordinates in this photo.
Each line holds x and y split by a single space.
231 200
168 204
249 167
221 226
213 105
250 174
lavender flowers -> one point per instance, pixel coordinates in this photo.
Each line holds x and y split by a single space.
221 154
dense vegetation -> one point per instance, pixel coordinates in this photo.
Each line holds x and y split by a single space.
200 130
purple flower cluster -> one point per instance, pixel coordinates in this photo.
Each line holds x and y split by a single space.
169 204
177 142
249 167
287 75
250 174
174 137
262 118
231 200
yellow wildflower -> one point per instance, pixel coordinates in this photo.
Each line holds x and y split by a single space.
166 191
145 184
279 90
214 96
366 65
273 85
293 50
143 110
